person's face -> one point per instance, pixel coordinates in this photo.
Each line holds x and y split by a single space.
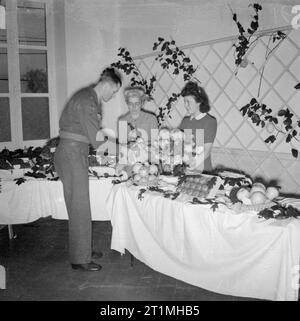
134 106
110 89
191 105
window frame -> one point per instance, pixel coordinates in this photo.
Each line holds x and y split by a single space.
15 95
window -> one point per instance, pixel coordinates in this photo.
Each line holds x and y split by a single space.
26 118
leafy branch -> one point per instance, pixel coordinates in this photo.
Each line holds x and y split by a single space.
214 204
258 112
262 116
172 58
243 42
279 212
128 66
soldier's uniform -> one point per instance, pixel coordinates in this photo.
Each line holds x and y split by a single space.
79 124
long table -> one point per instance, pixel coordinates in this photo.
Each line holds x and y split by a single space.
241 255
36 198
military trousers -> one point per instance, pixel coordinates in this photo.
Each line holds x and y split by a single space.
71 164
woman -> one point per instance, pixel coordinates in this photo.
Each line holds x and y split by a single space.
202 124
136 121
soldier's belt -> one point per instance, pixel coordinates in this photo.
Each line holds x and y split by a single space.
73 136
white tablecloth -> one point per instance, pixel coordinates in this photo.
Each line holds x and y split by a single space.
38 198
240 255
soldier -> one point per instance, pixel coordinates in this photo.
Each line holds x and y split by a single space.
79 124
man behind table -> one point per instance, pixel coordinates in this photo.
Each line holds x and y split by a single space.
79 124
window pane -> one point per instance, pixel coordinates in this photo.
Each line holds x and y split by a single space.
5 132
3 21
32 23
3 71
35 118
33 69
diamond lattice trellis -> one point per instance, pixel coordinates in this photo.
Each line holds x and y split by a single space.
239 143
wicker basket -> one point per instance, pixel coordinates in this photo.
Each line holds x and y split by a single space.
257 207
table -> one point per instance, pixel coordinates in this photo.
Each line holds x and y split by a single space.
38 198
240 255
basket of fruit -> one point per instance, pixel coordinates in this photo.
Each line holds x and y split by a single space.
145 174
255 198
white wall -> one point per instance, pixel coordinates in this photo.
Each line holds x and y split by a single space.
95 29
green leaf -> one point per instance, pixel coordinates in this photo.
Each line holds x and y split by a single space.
257 7
295 152
215 206
254 25
271 139
288 138
281 112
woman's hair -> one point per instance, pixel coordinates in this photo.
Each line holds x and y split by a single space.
111 74
135 92
199 94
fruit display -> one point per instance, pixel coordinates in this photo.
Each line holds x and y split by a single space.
174 150
134 152
258 194
199 186
145 174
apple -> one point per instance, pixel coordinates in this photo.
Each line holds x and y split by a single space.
151 178
136 167
136 178
177 134
246 201
143 181
259 185
124 175
258 198
272 192
164 133
255 189
144 171
153 169
242 193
